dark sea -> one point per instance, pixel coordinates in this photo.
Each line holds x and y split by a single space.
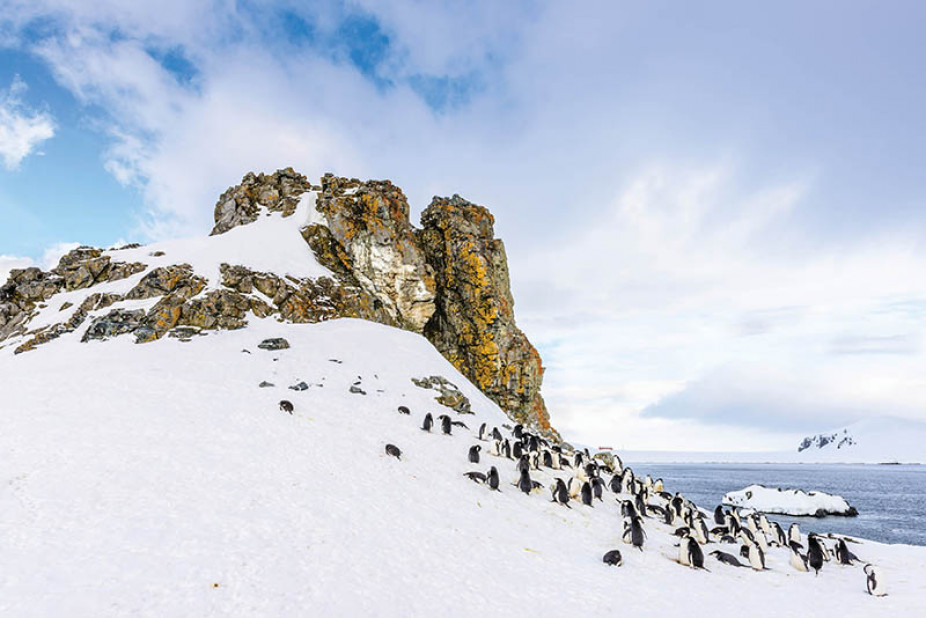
891 500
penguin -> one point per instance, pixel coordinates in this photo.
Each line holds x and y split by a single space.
719 518
613 558
763 523
700 531
535 460
658 486
658 510
577 459
404 410
459 424
474 453
523 464
843 555
524 483
874 581
756 558
693 555
286 406
779 535
445 424
575 488
798 560
615 484
482 432
634 533
725 558
598 488
393 451
586 494
518 431
794 534
560 493
428 422
476 477
517 450
727 539
628 509
547 459
815 553
564 462
496 434
493 479
640 505
506 449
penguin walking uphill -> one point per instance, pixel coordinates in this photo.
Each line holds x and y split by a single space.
474 453
428 422
445 424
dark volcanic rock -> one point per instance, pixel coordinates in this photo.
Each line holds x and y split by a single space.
277 343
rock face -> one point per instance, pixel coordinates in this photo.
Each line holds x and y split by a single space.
473 325
447 280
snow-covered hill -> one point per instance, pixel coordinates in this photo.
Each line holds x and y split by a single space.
873 440
162 480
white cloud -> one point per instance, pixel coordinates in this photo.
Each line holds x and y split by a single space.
22 129
52 255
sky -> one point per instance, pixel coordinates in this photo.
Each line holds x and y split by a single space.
713 212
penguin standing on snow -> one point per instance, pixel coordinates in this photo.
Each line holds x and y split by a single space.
474 453
560 493
482 432
798 560
794 534
874 581
493 479
719 518
445 424
756 557
524 483
690 554
586 494
815 553
428 422
634 533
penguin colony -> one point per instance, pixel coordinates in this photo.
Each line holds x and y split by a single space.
644 503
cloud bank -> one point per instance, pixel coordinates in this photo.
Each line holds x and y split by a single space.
698 243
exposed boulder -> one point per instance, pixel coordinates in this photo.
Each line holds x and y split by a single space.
276 343
242 203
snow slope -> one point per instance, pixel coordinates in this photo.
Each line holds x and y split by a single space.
786 501
160 480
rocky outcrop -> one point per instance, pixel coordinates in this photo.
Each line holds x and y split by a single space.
28 289
473 325
277 192
447 280
376 244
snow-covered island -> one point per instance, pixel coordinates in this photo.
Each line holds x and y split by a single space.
795 502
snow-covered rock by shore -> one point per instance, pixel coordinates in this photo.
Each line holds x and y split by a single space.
794 502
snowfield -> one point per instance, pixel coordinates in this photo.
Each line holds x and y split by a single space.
787 501
160 480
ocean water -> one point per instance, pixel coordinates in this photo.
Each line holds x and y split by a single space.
891 500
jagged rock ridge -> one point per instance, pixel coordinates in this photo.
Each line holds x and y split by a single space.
447 280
